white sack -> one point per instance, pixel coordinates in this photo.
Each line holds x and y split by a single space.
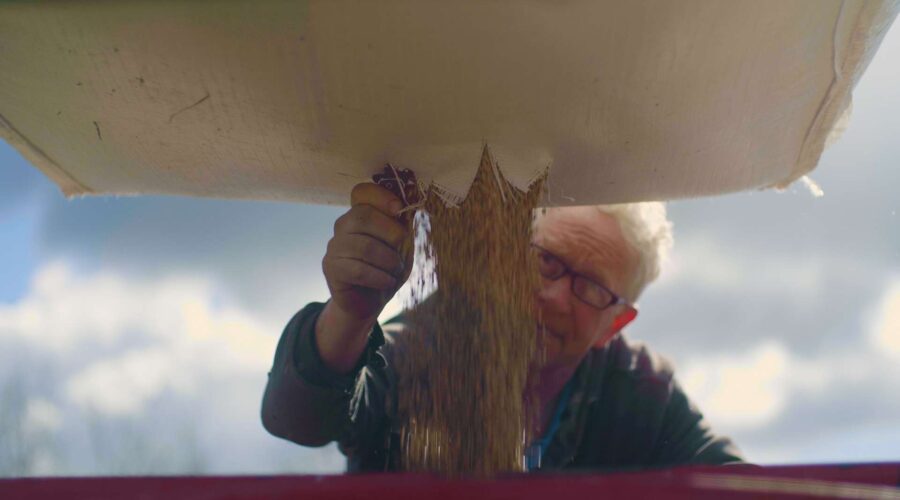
300 100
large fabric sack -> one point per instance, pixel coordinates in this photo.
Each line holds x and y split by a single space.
299 100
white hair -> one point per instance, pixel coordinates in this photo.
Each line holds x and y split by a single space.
647 229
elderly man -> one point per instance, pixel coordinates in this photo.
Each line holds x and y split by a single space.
605 403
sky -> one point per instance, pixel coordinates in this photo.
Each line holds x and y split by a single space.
136 333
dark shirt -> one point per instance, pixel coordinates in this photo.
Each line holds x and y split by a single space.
626 410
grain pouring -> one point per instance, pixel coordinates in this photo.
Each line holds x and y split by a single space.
462 381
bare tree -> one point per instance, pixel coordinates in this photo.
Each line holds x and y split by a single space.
141 446
25 449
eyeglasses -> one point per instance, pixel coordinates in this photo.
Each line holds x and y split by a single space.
587 290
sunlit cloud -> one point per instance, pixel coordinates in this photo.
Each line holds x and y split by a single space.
744 390
886 332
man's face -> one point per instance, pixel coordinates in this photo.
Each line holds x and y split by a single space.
590 243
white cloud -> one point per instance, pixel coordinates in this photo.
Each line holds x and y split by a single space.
717 267
764 397
151 337
62 310
138 358
745 390
886 332
121 386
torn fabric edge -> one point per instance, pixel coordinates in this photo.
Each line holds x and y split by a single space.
873 20
452 199
69 185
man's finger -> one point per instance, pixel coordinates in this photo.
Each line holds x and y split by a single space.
367 249
368 193
358 273
365 219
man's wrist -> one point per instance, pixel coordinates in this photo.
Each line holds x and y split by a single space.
343 322
340 338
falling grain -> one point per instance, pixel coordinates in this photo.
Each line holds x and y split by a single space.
464 374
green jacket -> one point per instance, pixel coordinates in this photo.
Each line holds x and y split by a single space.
626 410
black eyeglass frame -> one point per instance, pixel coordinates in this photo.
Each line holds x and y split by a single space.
615 299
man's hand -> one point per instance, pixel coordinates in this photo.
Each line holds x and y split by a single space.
363 267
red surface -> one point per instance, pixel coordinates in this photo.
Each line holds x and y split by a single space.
832 481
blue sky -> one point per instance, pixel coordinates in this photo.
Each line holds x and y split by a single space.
125 318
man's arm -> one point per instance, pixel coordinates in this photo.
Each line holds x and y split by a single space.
308 403
324 347
311 409
363 268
